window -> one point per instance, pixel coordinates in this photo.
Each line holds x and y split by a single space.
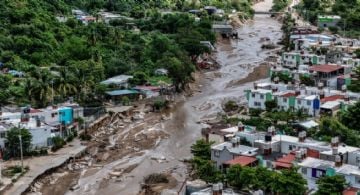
253 95
284 100
319 173
308 102
261 96
2 134
299 102
257 103
357 179
304 170
216 153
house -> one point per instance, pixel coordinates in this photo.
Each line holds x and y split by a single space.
222 135
309 104
256 97
334 56
243 161
41 132
293 59
330 108
313 168
117 95
286 162
348 61
119 81
226 151
324 73
326 21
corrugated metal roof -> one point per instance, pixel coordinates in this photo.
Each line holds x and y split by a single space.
121 92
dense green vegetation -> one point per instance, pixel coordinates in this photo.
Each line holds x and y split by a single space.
331 185
280 5
13 142
349 10
57 60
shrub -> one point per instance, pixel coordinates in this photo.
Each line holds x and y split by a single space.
85 137
255 111
230 106
270 105
334 29
58 143
70 138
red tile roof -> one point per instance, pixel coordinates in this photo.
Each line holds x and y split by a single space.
283 165
331 98
326 68
286 161
350 191
312 153
241 160
289 94
32 110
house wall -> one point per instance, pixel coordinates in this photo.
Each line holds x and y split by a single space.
218 139
66 115
78 112
223 156
257 100
47 116
40 136
354 158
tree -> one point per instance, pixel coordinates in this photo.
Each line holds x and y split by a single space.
331 127
206 170
351 117
140 78
242 177
13 141
288 182
270 105
331 185
202 149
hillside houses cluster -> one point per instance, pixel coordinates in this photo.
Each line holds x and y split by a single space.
277 151
326 59
43 124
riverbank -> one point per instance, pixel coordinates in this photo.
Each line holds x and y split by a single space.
121 160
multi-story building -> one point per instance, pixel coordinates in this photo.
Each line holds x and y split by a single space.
294 59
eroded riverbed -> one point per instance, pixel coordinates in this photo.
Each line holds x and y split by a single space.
240 66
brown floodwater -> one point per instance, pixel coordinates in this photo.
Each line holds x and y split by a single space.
238 59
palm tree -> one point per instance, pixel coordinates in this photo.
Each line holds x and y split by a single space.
65 82
38 87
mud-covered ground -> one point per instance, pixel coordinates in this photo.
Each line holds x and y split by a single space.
121 157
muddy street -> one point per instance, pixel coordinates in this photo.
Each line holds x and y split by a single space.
240 62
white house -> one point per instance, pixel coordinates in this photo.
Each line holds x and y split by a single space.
257 97
229 150
294 59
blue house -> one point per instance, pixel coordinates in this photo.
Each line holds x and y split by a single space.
66 115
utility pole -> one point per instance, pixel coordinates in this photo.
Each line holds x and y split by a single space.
52 92
21 153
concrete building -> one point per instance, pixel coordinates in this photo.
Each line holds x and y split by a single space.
328 21
226 151
313 168
257 97
293 59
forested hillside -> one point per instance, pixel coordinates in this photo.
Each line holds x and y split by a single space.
349 10
72 58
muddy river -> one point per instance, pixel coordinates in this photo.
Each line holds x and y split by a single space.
238 59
